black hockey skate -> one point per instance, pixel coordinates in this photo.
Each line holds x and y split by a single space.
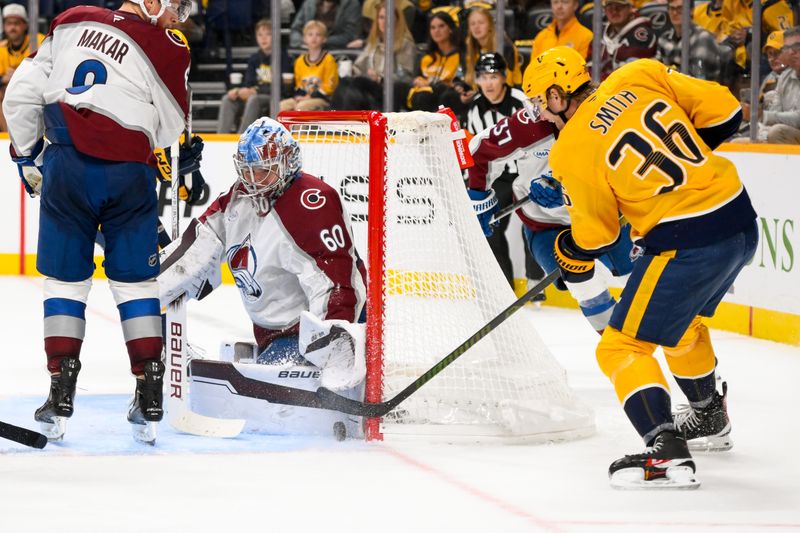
52 416
666 465
707 429
146 408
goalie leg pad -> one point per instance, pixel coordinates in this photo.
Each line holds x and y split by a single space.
336 347
217 390
281 351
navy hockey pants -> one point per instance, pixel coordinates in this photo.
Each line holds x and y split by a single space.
81 194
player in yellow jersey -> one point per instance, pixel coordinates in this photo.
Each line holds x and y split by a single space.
645 138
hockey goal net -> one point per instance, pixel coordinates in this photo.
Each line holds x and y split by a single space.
433 282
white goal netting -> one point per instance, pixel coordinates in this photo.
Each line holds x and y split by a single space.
439 284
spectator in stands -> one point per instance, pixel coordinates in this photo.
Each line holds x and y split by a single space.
768 95
370 7
495 100
773 50
14 48
438 67
709 17
704 56
626 36
481 40
738 14
252 98
565 30
315 73
784 120
342 18
369 63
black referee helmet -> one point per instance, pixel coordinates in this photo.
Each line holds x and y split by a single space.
491 62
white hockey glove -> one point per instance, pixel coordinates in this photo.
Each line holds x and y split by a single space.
190 265
336 347
30 169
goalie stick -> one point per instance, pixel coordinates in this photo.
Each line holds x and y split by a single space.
179 414
219 372
24 436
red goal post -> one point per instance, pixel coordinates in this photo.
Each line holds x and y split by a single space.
375 259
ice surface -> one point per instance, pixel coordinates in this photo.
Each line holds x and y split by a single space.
100 480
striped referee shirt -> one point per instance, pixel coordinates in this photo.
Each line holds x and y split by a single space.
483 114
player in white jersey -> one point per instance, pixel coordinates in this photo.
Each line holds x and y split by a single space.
286 238
525 138
105 88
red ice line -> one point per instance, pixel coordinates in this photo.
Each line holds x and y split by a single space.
553 525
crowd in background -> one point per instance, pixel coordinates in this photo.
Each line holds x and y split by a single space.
447 53
336 50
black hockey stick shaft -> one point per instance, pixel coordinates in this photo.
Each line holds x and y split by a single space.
330 400
24 436
508 210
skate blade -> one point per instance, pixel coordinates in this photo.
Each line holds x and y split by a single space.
717 443
721 442
54 431
145 433
677 478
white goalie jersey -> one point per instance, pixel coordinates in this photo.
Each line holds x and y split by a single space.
299 257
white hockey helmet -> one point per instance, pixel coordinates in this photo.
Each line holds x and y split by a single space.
266 145
180 8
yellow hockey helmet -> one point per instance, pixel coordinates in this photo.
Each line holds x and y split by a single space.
562 66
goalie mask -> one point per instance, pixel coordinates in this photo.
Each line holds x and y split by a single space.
180 8
267 159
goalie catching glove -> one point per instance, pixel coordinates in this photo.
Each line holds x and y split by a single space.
485 205
191 180
30 168
576 265
336 347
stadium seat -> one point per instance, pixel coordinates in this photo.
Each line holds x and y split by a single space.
537 20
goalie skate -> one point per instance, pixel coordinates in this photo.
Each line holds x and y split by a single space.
707 429
52 415
666 465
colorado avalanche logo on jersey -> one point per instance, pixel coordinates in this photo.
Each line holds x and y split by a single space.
312 199
243 263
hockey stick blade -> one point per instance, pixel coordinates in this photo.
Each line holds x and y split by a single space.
219 372
331 400
186 421
23 436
